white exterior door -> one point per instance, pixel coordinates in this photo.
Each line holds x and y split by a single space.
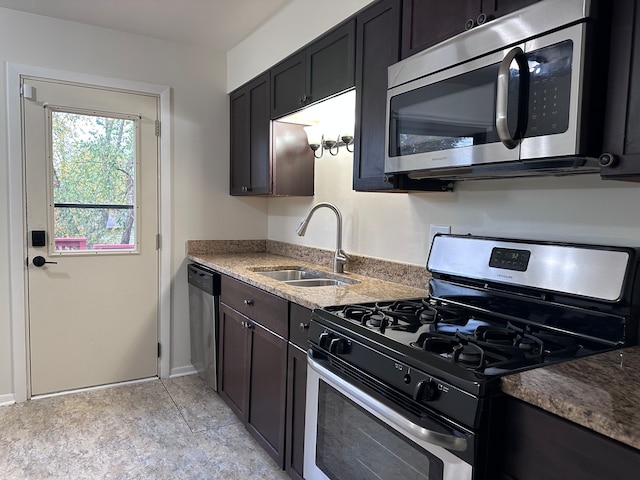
91 178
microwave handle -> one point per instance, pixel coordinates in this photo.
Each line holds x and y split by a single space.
502 99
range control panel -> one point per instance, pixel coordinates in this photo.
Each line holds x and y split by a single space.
415 384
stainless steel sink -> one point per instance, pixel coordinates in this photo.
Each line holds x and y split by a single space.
316 282
287 275
301 277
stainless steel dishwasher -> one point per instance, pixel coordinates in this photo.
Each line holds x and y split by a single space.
204 292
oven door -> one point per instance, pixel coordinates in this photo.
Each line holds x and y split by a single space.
351 435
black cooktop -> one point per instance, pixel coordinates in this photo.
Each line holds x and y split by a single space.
480 343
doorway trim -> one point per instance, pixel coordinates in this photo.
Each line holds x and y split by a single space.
17 238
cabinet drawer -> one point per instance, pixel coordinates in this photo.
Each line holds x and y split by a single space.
264 308
299 318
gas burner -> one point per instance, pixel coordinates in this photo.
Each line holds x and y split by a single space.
438 313
358 313
497 347
373 317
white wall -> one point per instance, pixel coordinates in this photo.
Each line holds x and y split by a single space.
201 207
396 226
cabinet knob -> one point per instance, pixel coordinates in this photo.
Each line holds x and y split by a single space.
248 302
482 18
303 326
608 160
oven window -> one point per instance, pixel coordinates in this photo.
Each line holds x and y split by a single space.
352 444
453 113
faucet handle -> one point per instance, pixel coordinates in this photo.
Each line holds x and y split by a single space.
340 259
342 256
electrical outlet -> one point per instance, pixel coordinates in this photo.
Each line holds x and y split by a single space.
433 229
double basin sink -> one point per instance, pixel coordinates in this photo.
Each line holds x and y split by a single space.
303 277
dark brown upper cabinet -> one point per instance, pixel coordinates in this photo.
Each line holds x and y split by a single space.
377 47
267 158
427 22
621 149
324 68
250 138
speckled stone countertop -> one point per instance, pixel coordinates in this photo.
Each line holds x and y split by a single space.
600 392
374 279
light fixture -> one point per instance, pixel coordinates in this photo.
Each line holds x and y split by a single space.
323 122
318 142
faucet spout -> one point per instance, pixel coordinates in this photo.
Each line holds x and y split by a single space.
340 257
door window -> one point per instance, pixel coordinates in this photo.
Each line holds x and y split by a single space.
93 178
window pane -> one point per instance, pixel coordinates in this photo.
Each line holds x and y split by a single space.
94 180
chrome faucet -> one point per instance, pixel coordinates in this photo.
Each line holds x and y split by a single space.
340 258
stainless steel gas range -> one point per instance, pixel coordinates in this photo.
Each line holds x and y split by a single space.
410 388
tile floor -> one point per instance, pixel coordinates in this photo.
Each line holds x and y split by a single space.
161 429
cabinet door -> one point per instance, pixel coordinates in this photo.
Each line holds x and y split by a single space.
377 47
240 133
324 68
330 63
260 135
250 138
299 319
622 117
296 399
233 382
267 390
539 445
288 86
427 22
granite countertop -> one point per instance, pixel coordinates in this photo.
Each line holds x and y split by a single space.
245 266
600 392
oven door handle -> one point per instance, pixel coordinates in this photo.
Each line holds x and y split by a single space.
435 438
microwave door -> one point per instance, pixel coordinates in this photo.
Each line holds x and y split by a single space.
556 67
446 120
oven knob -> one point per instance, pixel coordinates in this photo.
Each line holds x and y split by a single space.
323 339
425 390
336 346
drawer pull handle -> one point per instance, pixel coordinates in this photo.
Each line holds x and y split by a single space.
248 302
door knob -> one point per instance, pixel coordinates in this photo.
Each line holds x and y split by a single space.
40 261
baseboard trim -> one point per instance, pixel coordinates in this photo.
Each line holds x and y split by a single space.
182 371
7 399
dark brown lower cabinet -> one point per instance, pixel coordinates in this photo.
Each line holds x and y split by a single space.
267 390
234 361
253 365
539 445
296 399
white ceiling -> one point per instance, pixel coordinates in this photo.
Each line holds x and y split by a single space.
218 24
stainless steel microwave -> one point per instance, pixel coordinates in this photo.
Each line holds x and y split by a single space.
518 96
